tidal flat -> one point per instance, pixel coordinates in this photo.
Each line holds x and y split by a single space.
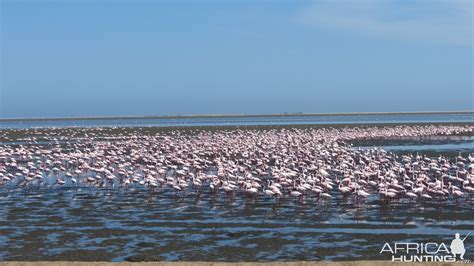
232 194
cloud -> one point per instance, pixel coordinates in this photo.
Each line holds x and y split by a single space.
448 21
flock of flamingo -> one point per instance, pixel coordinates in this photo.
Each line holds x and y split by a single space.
273 163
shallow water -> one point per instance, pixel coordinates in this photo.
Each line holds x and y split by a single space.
446 145
101 224
243 121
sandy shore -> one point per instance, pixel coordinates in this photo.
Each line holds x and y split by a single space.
296 263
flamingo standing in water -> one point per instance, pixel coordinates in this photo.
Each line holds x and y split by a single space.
313 163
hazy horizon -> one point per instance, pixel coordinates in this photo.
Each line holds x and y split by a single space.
461 112
145 58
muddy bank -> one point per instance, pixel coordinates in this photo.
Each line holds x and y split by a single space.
201 263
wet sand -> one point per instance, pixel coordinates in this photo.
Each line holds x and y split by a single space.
296 263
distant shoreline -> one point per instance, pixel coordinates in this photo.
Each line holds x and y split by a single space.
194 129
227 115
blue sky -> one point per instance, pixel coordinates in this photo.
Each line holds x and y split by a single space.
93 58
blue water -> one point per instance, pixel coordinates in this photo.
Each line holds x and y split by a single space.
113 225
439 144
242 121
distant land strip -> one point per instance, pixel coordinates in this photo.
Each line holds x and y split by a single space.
228 115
